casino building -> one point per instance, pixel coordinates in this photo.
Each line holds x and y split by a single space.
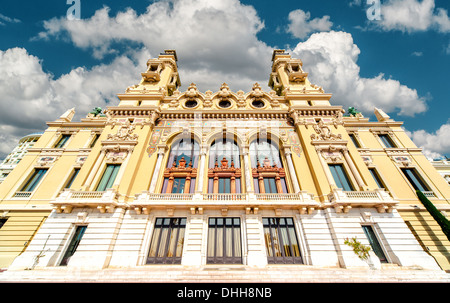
198 178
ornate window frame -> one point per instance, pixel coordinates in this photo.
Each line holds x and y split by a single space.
266 170
388 132
226 169
182 169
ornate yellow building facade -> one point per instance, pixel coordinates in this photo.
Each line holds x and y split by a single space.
193 178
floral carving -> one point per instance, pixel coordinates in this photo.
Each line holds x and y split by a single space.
124 133
324 133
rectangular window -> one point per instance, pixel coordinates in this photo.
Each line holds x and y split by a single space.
178 185
192 187
2 222
354 140
270 186
34 180
224 241
283 185
167 242
340 177
281 241
79 232
224 185
387 141
108 177
72 178
62 141
377 249
256 185
377 178
96 136
211 185
415 180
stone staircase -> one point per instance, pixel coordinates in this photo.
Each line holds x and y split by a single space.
226 274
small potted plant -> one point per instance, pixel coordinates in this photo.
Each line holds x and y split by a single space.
361 250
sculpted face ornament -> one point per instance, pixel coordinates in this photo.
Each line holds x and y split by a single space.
224 91
192 91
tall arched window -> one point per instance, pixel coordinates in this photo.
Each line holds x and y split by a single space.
267 169
224 171
181 171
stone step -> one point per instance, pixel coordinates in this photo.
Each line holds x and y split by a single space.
207 274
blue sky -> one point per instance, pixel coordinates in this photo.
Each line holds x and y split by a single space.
400 63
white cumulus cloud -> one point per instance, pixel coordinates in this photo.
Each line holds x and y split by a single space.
331 60
435 144
30 96
218 36
413 15
301 26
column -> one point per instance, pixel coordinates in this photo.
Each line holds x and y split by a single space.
201 173
247 170
122 169
94 170
287 153
326 170
353 168
161 151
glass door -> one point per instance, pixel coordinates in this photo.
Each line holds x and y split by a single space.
167 242
79 232
281 241
224 241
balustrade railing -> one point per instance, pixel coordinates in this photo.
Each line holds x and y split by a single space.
429 194
167 197
86 195
362 195
225 197
282 197
23 194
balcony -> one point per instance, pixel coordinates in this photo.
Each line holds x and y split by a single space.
22 194
429 194
343 201
104 201
302 201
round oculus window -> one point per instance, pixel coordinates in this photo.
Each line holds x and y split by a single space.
224 103
258 104
191 103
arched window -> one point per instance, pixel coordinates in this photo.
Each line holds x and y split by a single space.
267 169
224 171
181 171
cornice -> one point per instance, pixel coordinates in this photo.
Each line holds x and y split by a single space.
224 114
82 124
143 95
307 96
132 110
367 123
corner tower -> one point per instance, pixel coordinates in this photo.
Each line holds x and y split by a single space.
287 78
161 78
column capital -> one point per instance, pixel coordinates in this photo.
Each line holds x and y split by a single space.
287 150
161 149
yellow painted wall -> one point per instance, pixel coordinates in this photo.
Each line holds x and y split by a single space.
18 232
429 234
